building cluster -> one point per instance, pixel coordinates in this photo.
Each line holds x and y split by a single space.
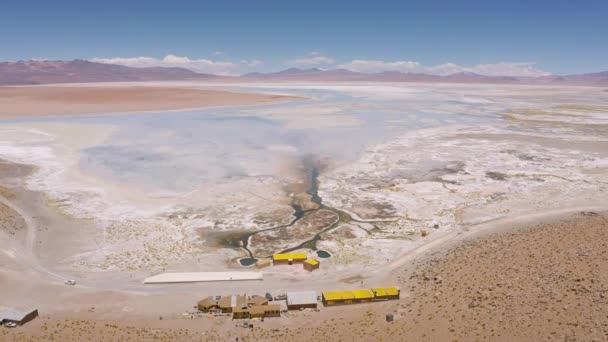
360 296
307 263
242 306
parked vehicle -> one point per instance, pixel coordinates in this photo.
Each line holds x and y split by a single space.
70 282
268 296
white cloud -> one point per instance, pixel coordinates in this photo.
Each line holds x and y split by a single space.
496 69
198 65
313 58
444 69
508 69
218 53
362 65
252 63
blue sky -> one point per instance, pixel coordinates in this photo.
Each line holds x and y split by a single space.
231 37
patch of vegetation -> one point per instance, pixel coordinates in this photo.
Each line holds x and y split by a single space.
588 108
532 111
496 175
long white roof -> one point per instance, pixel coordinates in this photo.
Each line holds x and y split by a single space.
193 277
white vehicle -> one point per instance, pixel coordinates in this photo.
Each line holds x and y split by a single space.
70 282
11 325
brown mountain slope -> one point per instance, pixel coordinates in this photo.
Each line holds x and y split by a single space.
42 72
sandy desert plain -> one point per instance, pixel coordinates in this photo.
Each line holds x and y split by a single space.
486 204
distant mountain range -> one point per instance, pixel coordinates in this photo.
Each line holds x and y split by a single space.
294 74
77 71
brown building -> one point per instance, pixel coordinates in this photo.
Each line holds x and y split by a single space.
240 313
208 304
228 304
257 311
272 310
257 300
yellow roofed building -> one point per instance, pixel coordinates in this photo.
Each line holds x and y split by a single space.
288 258
385 293
311 264
347 297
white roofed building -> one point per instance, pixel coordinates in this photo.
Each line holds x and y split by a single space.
18 317
302 300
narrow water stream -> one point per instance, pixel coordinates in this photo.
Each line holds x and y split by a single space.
312 172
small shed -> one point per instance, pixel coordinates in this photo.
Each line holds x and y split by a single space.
18 317
263 263
301 300
311 264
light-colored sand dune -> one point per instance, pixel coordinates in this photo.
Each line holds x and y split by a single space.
71 100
